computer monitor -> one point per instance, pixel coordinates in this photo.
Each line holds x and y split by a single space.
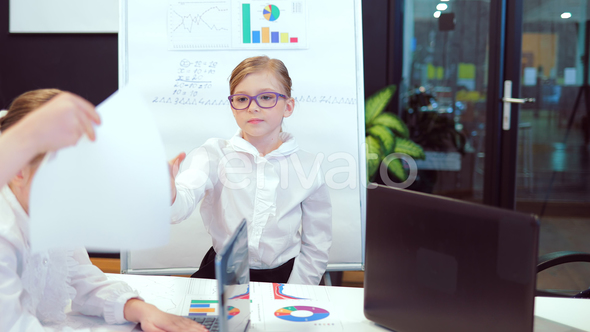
440 264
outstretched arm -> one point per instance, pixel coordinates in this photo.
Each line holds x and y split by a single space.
174 167
190 185
117 302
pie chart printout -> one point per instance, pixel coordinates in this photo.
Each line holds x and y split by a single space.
232 311
301 313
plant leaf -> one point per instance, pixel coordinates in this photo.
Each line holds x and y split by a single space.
377 102
404 145
374 156
396 168
385 136
393 122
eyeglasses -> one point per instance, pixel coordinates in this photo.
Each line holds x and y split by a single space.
264 100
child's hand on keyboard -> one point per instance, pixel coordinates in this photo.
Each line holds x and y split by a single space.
153 319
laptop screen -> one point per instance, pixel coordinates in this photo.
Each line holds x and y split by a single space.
232 271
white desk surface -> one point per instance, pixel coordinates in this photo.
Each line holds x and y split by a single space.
168 293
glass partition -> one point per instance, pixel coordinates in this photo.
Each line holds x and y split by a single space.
553 169
444 93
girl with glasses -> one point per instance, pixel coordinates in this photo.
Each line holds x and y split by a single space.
262 175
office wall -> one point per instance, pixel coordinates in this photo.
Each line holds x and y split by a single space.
87 63
82 63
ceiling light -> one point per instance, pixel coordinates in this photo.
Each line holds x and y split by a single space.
442 6
436 14
566 15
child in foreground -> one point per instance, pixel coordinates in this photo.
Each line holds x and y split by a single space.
35 288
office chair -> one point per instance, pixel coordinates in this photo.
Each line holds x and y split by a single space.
557 258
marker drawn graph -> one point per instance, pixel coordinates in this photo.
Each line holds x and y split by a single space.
199 24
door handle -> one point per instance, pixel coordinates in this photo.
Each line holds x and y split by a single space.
508 100
518 100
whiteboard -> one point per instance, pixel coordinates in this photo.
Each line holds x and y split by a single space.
63 16
181 53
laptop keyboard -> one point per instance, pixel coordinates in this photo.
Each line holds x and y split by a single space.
210 323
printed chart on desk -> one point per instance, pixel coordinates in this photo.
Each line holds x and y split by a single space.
207 302
198 25
287 307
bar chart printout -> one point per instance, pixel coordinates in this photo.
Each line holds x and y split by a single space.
203 308
194 25
280 25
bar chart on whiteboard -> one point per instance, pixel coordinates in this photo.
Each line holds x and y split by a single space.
227 24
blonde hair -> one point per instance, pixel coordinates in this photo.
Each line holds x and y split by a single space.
261 63
24 104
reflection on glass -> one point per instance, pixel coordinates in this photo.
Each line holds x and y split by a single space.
445 82
553 170
553 41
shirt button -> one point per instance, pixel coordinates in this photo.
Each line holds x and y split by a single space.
45 261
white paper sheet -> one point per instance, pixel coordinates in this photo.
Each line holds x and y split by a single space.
111 194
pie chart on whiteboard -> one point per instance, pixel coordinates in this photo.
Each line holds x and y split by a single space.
271 12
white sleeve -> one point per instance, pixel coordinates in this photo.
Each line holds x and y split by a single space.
198 176
316 237
13 317
95 294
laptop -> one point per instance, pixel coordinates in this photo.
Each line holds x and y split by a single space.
440 264
232 271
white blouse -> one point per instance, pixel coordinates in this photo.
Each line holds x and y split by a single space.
36 288
282 195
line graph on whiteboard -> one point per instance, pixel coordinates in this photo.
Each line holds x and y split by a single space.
236 24
199 25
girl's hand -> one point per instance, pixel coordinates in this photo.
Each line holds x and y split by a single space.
59 123
153 319
173 167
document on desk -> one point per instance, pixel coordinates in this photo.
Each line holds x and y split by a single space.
109 195
278 291
287 307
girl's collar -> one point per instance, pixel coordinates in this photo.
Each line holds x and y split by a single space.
288 147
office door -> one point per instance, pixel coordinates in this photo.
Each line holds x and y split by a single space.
532 156
457 56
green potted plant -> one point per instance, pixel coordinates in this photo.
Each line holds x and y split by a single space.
386 133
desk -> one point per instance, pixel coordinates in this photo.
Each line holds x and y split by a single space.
167 293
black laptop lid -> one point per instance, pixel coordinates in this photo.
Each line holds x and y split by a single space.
438 264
